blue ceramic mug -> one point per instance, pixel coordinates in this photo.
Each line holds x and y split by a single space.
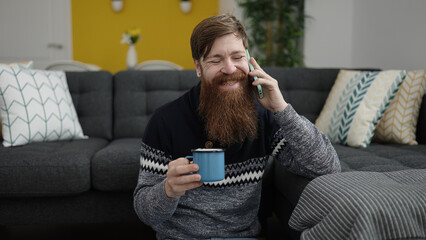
211 162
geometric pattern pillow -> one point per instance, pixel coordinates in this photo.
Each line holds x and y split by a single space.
399 123
36 106
23 65
356 103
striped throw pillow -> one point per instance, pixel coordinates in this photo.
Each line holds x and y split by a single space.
399 123
356 103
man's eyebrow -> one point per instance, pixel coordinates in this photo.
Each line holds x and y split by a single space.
214 56
220 56
238 52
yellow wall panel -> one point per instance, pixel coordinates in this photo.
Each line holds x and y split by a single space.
165 30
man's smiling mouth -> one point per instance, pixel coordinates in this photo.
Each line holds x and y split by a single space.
229 83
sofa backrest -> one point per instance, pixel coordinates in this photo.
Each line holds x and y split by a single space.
306 89
137 94
91 93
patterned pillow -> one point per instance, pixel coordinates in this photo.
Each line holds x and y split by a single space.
24 65
356 103
399 122
36 106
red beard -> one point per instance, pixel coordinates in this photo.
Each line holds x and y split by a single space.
229 115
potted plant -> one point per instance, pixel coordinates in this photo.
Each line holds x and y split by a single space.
276 28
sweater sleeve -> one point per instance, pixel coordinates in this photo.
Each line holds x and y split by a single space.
151 203
301 147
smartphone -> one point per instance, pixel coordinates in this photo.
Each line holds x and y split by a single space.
259 88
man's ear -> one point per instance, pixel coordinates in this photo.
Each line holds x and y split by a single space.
197 65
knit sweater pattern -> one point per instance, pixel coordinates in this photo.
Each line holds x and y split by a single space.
226 208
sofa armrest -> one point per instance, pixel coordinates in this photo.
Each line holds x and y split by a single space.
289 184
288 188
421 123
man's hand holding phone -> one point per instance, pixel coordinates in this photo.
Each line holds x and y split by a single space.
270 96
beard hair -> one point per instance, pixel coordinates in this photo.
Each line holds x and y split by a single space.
230 115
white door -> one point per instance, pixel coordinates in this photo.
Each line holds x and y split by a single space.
38 30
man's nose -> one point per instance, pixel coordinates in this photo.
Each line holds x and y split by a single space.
229 67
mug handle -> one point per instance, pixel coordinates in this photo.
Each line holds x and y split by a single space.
190 157
190 161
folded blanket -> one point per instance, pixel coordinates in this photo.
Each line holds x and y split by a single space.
363 205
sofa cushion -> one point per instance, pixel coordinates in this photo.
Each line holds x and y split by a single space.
91 93
382 157
47 168
36 106
399 122
137 94
23 65
356 103
116 167
375 158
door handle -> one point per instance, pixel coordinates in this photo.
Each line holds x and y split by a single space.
55 45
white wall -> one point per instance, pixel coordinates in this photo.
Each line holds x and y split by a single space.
231 6
35 30
328 33
397 30
386 34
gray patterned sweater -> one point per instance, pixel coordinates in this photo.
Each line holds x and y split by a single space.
227 208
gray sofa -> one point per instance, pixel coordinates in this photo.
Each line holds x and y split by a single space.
92 180
308 95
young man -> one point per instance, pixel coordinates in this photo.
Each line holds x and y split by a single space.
222 112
